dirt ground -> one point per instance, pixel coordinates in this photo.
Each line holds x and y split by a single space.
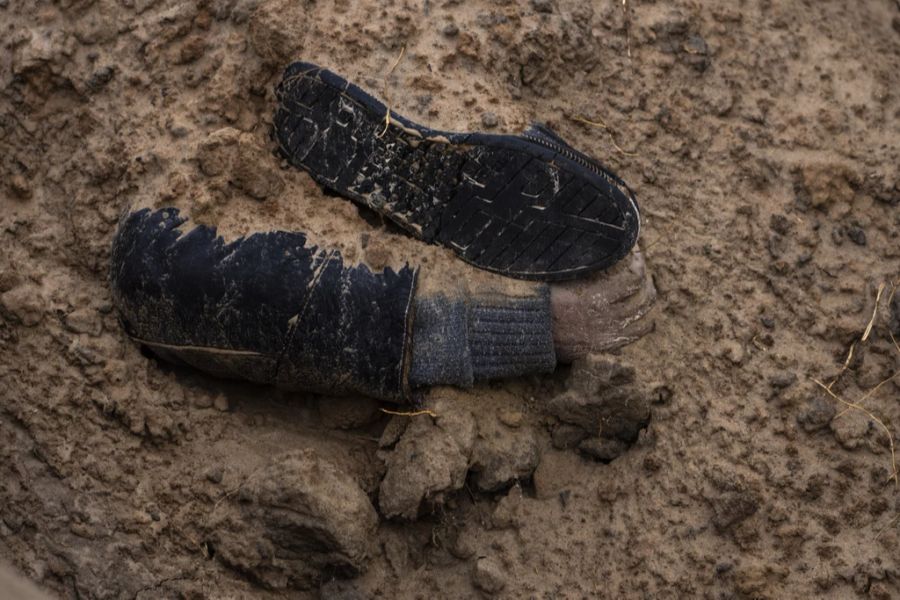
763 141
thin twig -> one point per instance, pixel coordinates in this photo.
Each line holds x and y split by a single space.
867 412
606 128
414 413
843 368
888 526
387 115
874 312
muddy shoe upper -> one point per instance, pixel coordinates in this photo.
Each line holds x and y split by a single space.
526 206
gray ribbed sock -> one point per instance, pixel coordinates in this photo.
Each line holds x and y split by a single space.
456 342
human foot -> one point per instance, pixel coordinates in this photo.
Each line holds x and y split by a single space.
606 311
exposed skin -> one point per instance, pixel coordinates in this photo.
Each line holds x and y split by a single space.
603 312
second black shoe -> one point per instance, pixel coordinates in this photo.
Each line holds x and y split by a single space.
526 206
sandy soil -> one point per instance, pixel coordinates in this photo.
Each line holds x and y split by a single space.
763 141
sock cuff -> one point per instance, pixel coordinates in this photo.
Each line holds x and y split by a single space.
493 336
511 336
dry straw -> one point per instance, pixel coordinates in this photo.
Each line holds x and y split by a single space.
387 115
858 405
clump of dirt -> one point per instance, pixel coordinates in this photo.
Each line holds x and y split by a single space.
761 140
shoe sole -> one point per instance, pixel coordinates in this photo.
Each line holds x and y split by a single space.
502 203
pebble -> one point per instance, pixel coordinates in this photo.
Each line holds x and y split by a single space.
489 120
215 475
487 575
221 403
856 234
24 302
783 379
463 547
84 320
542 6
780 224
100 78
732 350
567 436
511 418
851 429
450 30
732 508
603 449
191 50
20 187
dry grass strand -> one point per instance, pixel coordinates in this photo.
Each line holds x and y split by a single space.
387 115
414 413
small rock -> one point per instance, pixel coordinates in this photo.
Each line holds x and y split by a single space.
463 547
488 575
100 78
604 449
25 303
295 522
697 53
201 399
506 514
780 224
215 475
856 234
603 399
783 379
20 187
851 429
542 6
84 320
823 184
567 436
191 50
220 403
723 567
396 551
430 460
489 120
177 129
392 432
816 415
450 30
511 418
733 507
502 456
732 350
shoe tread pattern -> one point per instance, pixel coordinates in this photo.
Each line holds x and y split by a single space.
504 207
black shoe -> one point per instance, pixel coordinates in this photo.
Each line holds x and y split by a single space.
526 206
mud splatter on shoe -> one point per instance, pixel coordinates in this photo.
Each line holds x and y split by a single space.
526 206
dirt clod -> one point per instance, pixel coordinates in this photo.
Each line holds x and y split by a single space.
295 520
488 575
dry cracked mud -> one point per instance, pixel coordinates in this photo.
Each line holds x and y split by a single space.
762 140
